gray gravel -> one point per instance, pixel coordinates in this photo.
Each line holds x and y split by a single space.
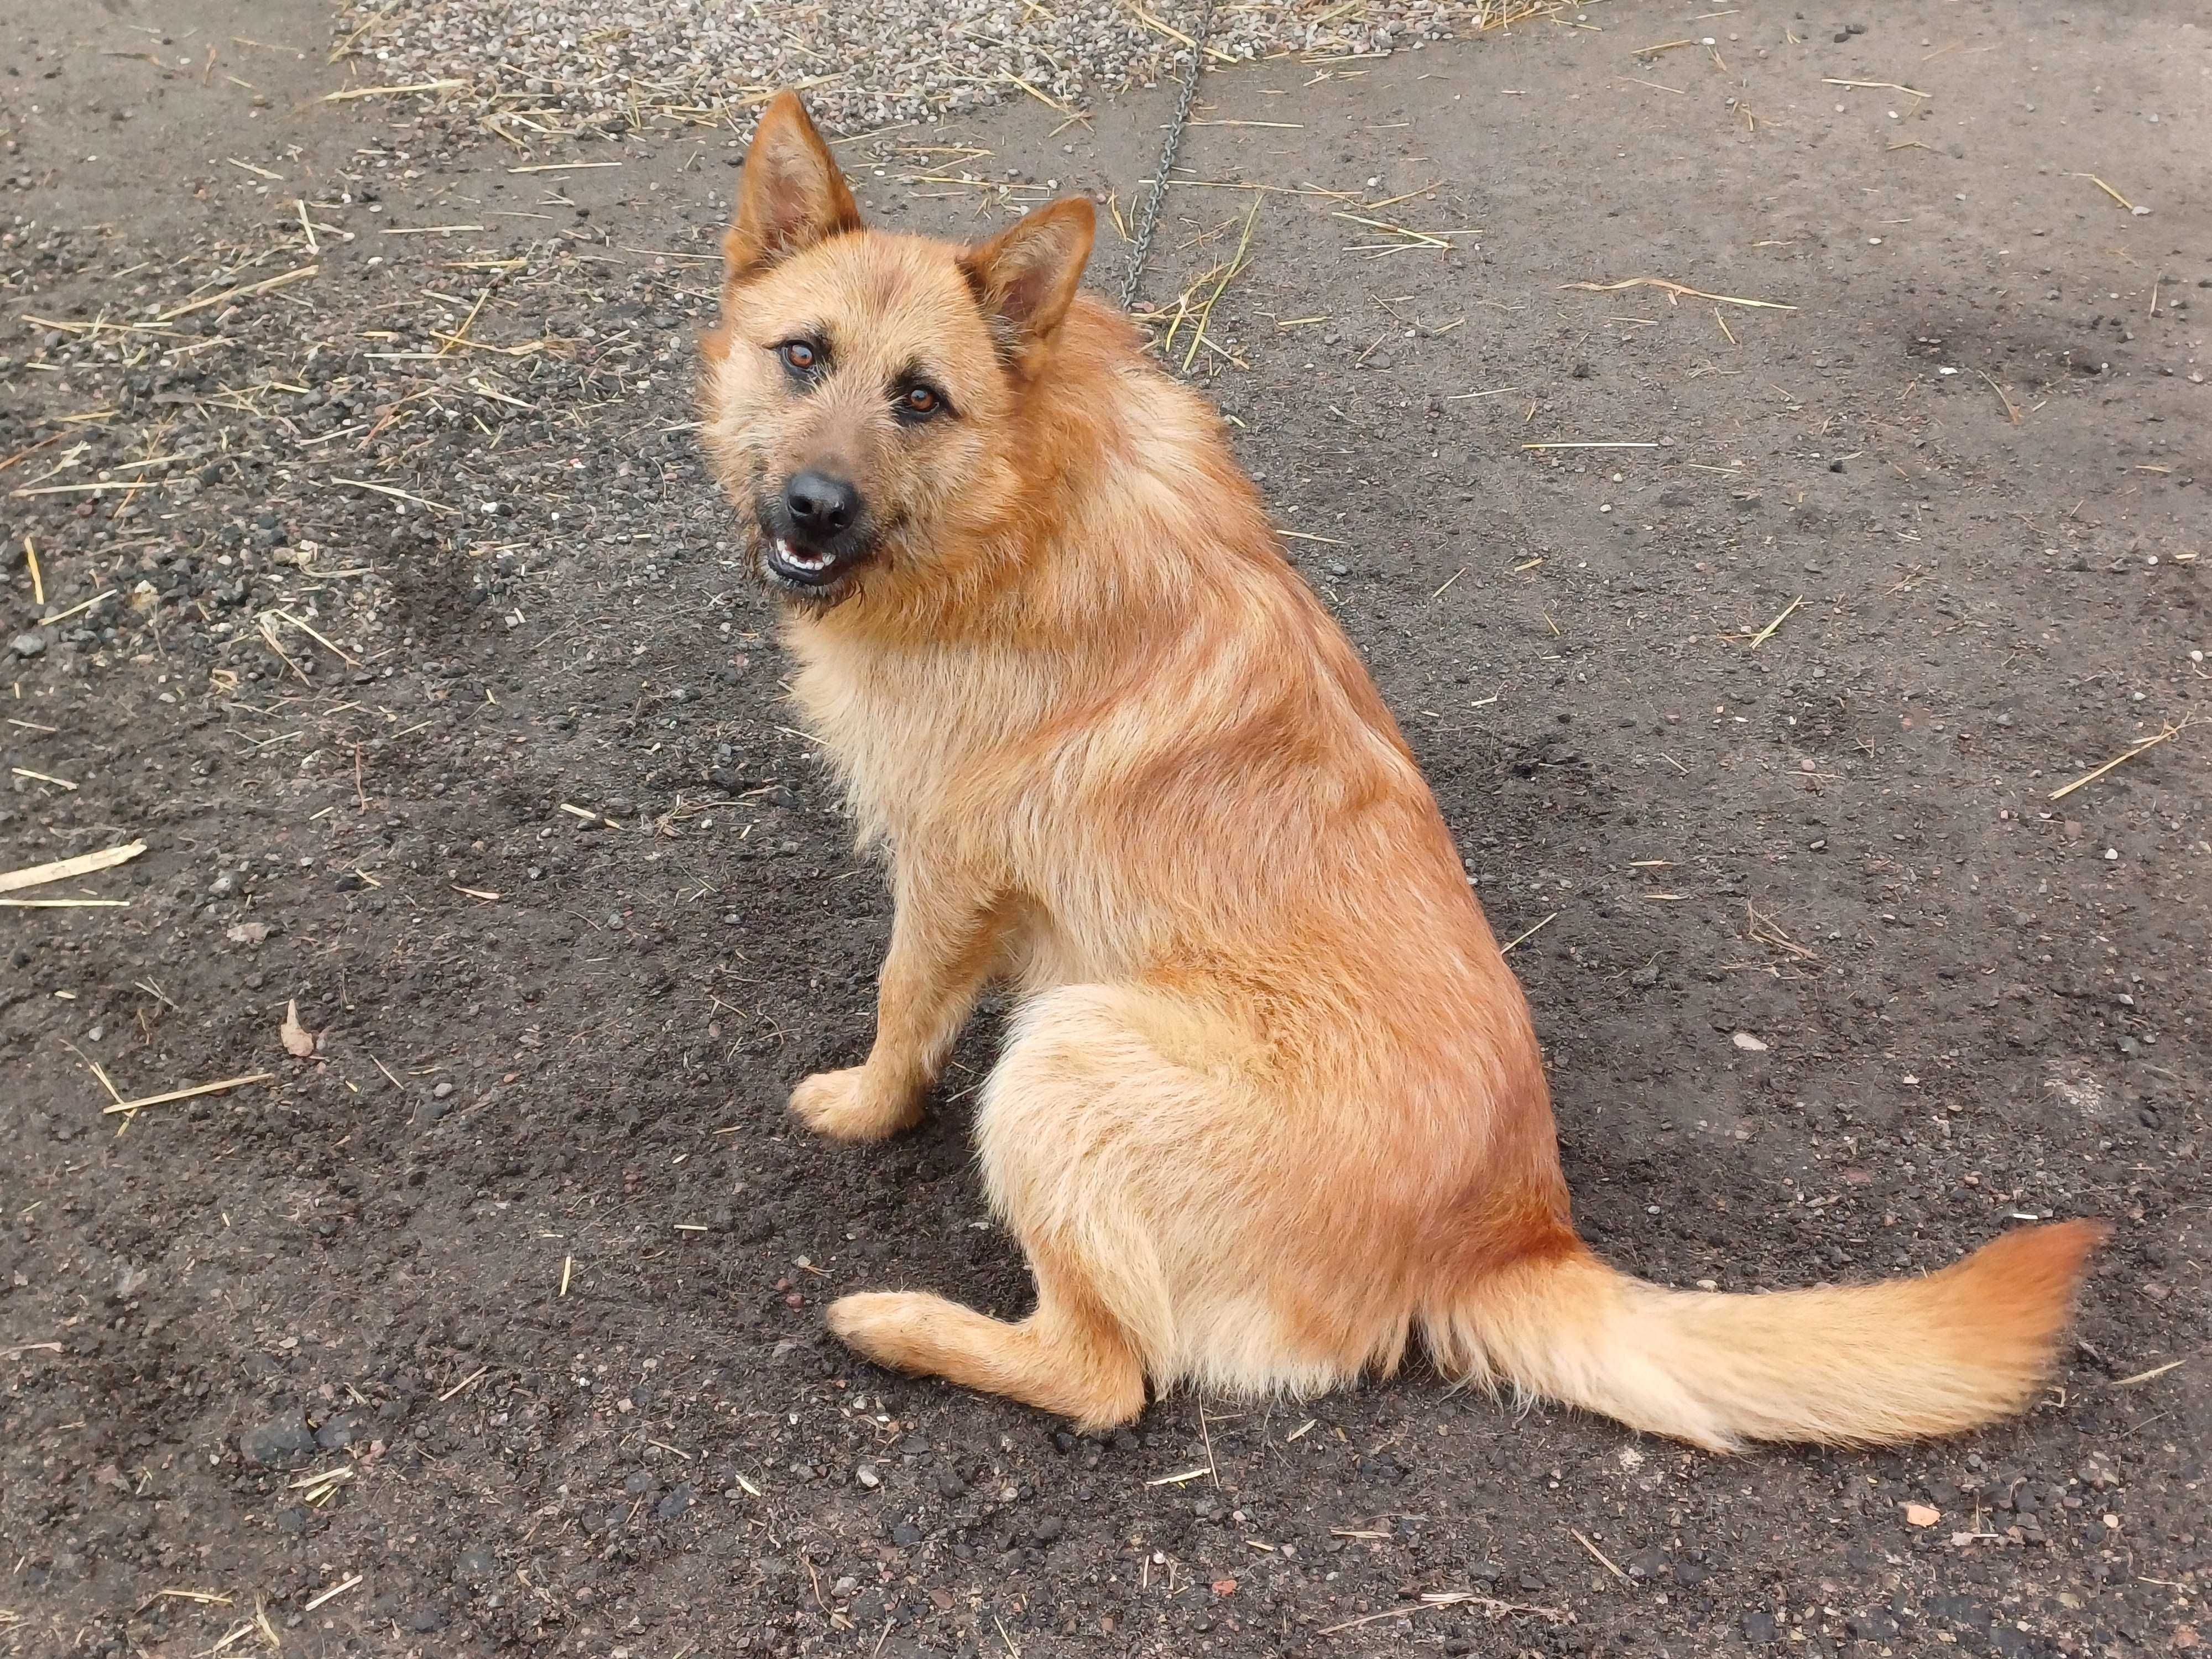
865 63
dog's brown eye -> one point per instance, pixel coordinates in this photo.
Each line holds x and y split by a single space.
798 354
919 400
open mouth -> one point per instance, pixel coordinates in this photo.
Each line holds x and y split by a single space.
809 570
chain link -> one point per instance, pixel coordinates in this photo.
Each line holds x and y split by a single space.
1149 216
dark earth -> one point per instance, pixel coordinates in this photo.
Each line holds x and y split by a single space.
492 1324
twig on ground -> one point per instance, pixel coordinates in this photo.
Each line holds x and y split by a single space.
37 875
1767 632
2091 777
1677 291
226 1084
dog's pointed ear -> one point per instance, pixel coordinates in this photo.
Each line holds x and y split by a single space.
790 195
1026 276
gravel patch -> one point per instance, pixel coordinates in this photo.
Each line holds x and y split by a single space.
562 66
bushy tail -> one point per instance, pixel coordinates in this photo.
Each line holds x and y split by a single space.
1866 1365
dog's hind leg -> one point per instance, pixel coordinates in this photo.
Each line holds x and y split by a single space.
1058 1122
1140 1188
1068 1357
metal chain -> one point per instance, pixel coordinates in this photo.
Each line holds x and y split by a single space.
1142 243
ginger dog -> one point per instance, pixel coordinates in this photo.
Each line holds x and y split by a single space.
1271 1106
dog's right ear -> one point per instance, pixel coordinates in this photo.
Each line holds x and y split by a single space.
790 195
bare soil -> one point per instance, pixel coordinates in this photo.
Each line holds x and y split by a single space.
424 664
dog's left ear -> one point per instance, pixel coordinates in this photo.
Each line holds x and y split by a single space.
790 196
1026 276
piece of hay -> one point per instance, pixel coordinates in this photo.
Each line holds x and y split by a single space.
37 875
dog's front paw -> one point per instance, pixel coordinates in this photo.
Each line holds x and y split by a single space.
854 1104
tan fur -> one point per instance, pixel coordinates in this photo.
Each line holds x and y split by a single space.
1272 1107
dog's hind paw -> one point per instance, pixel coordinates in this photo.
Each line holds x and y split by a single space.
854 1105
892 1327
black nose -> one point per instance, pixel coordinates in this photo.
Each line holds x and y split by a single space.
820 505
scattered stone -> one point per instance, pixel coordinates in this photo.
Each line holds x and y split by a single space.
280 1442
1874 1625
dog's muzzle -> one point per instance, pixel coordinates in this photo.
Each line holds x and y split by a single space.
815 533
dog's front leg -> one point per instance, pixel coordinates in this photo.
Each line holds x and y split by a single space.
946 928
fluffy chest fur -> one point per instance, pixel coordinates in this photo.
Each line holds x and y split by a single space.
903 724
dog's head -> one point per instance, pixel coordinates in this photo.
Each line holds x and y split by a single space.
863 392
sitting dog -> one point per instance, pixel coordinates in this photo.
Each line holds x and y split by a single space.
1271 1105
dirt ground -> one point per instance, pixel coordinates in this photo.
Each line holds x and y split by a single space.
410 638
